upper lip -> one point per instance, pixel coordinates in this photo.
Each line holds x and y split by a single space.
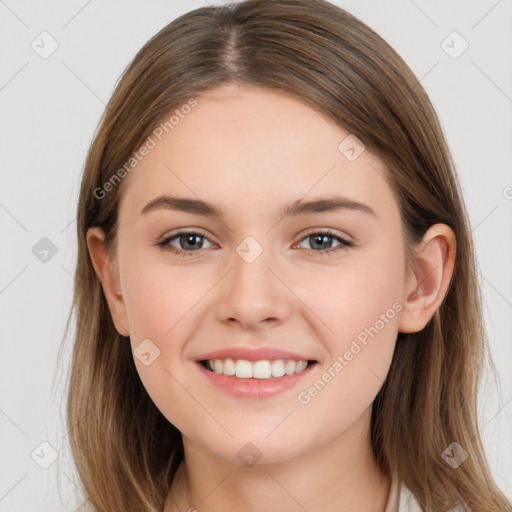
253 354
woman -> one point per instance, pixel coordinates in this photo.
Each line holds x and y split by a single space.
224 358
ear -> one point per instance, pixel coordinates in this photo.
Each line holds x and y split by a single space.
106 271
427 283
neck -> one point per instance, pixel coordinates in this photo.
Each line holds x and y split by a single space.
340 475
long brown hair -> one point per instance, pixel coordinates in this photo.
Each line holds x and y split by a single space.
126 452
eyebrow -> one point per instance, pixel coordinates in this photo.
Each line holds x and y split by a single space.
298 207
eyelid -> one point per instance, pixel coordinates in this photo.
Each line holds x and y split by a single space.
184 231
331 232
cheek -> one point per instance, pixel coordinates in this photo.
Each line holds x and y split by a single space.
350 298
160 306
161 298
361 305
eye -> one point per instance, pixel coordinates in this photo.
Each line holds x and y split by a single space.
321 239
188 243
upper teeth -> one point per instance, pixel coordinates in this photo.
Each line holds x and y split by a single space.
258 370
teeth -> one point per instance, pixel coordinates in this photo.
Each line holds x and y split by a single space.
290 367
264 369
243 369
278 368
229 367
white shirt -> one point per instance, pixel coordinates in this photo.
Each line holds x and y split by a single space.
401 499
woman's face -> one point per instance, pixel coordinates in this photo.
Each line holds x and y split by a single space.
253 281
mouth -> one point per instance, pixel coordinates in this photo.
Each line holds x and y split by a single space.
266 369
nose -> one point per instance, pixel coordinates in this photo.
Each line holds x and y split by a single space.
252 295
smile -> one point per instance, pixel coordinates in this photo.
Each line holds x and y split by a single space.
264 369
255 380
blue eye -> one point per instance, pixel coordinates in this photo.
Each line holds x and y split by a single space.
186 240
325 238
191 242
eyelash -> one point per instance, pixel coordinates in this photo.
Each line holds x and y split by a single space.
344 244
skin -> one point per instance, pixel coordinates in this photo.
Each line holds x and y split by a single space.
251 151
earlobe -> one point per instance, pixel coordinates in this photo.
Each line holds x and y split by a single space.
427 284
106 272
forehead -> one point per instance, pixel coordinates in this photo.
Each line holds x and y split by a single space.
250 146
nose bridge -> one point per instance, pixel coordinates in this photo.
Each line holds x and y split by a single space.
253 293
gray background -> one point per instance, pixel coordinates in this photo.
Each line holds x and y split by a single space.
49 110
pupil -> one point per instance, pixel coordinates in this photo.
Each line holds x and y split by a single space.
320 239
191 239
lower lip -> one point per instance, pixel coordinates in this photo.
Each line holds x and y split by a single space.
254 388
